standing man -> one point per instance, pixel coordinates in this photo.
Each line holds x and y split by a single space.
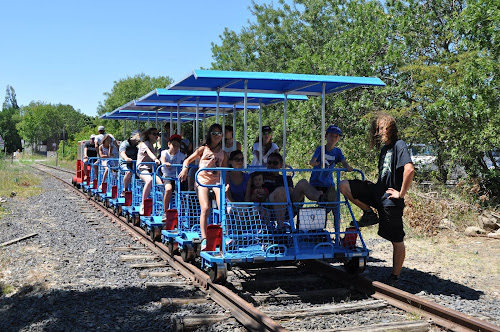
100 136
387 195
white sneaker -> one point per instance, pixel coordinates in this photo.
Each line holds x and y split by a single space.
141 210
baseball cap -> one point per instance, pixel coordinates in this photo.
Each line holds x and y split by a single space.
175 137
334 129
185 141
135 135
92 136
101 128
266 128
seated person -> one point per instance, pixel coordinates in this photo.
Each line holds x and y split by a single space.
90 151
236 181
256 192
277 193
128 153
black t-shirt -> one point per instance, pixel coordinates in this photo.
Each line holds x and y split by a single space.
392 159
271 182
91 150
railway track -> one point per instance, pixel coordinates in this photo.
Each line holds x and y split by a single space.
299 296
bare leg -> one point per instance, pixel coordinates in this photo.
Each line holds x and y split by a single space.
105 176
126 180
398 257
205 209
279 196
167 196
148 182
345 189
304 188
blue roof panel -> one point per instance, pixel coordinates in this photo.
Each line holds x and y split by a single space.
264 82
225 98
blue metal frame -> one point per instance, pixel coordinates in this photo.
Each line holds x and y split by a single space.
250 235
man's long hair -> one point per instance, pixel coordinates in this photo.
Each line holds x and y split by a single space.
387 120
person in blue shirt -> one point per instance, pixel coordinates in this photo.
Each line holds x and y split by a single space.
333 155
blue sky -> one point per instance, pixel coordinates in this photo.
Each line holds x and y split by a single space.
72 52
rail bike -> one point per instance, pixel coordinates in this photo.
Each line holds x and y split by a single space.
238 232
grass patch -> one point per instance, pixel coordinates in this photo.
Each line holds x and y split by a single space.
18 178
7 289
65 164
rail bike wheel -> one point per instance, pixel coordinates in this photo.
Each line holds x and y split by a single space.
187 253
128 217
155 234
136 220
106 203
171 247
218 273
356 265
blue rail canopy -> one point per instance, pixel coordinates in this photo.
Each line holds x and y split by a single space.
210 97
277 83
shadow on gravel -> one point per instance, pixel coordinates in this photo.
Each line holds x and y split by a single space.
415 281
105 309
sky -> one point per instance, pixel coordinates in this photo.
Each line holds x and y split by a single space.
71 52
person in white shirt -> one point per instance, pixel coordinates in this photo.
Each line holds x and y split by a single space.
171 156
268 147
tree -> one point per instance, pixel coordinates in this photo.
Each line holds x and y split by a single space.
126 90
439 60
9 117
41 121
10 98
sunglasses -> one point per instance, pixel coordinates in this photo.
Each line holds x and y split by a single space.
267 133
216 133
273 162
238 159
155 134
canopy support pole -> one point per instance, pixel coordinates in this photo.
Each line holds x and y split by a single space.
245 125
217 108
285 102
261 153
178 119
323 157
171 126
196 124
124 129
234 127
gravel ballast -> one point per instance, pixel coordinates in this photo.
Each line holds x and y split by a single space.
69 278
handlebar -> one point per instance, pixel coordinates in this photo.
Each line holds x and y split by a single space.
158 171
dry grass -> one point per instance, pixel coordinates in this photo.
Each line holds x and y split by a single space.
425 210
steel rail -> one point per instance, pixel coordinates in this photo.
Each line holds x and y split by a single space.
439 314
249 316
255 320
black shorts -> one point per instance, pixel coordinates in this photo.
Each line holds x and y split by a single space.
390 217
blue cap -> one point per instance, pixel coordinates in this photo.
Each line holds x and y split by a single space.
334 129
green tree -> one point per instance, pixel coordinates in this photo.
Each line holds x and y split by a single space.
41 121
126 90
9 117
439 60
10 98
